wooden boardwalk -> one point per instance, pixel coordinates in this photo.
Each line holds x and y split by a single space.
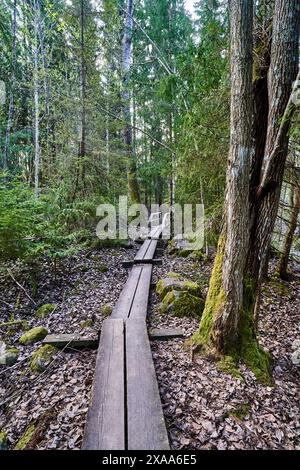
125 411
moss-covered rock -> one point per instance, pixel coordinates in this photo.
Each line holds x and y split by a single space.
106 310
3 440
168 284
182 304
11 356
42 357
44 310
26 438
32 336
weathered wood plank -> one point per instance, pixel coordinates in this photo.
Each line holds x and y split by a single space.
72 340
105 426
123 306
165 334
143 250
146 425
140 303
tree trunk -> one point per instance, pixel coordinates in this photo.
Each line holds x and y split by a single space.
228 321
133 185
282 73
37 154
236 228
11 96
288 240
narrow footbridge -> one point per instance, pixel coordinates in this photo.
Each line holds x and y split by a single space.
125 411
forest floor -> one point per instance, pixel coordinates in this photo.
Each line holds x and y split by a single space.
204 407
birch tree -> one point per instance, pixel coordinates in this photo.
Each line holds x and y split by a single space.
12 90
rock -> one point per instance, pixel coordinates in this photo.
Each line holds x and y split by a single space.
182 304
42 357
8 356
32 336
168 284
44 310
296 344
106 310
295 357
182 247
3 440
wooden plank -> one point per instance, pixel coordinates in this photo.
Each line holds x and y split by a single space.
123 306
143 250
155 232
146 425
140 303
151 250
72 340
105 426
165 334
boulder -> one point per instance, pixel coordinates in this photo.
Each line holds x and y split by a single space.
182 304
44 310
42 357
170 283
8 356
32 336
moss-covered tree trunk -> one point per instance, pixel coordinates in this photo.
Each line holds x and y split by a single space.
228 324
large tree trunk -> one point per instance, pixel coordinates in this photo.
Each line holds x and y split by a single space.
288 240
228 321
11 96
133 186
234 241
282 73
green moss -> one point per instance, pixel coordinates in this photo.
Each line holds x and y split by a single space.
42 357
86 324
167 300
228 364
106 310
33 335
26 438
3 440
248 347
215 298
44 310
168 284
182 304
173 275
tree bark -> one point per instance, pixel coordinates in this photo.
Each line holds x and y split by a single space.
228 322
133 185
225 330
11 95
